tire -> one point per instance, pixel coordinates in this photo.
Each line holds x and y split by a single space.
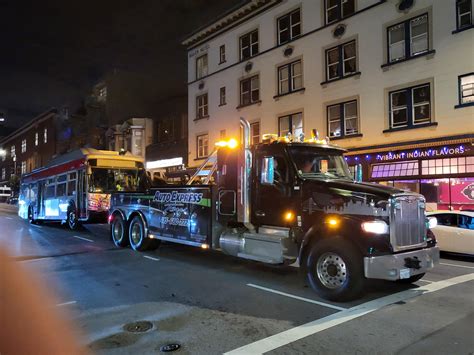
411 279
31 218
138 240
72 221
119 231
335 271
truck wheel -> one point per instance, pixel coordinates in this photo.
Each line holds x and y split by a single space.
119 232
411 279
72 221
335 270
138 240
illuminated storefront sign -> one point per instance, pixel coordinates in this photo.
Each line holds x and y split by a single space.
164 163
423 153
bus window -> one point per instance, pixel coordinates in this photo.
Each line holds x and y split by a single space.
62 178
71 188
50 190
61 189
107 180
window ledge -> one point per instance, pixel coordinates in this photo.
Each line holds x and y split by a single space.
357 135
467 104
431 124
250 104
224 61
358 73
289 93
220 105
201 158
462 29
200 118
431 52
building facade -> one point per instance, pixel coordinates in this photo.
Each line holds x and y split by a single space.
391 81
28 147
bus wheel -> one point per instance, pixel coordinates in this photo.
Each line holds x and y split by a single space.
118 231
335 270
138 240
31 218
72 221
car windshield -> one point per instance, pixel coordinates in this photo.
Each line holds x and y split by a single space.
316 163
111 180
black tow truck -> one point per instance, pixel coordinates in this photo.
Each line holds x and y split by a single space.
282 201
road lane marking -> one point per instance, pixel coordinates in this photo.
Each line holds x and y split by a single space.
87 240
427 281
455 265
8 217
291 335
297 297
66 303
151 258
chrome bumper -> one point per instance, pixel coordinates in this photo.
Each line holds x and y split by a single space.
397 266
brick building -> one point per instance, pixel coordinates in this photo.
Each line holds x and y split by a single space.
28 147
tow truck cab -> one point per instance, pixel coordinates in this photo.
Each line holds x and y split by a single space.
282 201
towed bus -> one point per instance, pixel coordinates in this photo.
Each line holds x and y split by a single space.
75 188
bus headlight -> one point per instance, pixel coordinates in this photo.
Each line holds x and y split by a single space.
375 227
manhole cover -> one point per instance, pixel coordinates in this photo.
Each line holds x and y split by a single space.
169 348
138 327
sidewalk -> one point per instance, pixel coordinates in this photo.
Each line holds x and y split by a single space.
4 207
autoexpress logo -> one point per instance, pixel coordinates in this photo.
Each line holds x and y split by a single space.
175 196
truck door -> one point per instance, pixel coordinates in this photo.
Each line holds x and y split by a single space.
272 197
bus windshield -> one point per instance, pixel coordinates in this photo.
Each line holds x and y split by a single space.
112 179
317 163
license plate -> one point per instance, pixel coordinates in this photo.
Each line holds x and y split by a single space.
404 273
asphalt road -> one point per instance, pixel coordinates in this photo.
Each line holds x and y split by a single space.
211 303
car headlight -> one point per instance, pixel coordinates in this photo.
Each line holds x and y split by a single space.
375 227
432 222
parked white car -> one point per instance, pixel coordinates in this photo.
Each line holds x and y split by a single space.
455 231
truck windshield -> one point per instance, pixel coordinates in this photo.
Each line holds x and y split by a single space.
110 180
317 163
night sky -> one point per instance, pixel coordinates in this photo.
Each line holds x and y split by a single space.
53 52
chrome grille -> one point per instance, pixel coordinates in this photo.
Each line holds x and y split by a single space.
407 222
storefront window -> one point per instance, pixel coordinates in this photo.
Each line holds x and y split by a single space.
407 185
448 194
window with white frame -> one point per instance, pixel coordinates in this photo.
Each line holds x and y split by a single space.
23 167
23 146
202 146
249 91
410 106
254 133
336 10
13 151
249 45
464 17
343 119
202 106
408 39
289 26
466 89
222 98
341 61
290 77
290 124
45 135
201 66
36 139
4 173
222 54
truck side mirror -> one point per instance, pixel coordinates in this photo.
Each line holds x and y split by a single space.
268 171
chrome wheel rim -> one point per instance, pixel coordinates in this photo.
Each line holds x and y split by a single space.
72 218
136 233
118 231
331 270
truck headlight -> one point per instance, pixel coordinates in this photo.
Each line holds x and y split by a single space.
375 227
432 222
